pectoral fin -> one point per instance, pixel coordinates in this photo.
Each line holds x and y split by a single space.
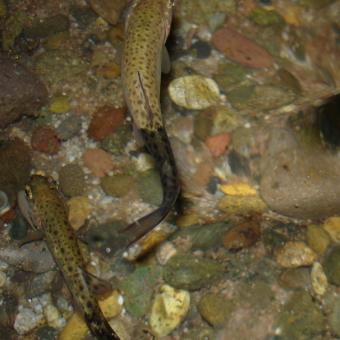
166 63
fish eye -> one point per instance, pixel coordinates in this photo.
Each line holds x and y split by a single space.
28 192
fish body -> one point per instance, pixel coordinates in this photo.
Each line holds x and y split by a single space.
147 29
48 213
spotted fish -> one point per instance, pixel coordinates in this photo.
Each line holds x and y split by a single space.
44 208
147 29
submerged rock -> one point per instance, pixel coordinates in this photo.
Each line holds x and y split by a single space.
21 91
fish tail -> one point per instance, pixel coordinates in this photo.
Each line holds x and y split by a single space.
158 145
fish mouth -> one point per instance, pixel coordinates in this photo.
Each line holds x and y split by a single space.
25 207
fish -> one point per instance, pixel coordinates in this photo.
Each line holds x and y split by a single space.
44 208
147 28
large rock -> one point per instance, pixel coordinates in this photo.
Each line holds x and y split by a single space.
21 91
300 181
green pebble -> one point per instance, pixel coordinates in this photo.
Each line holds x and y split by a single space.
334 316
265 17
215 309
229 74
150 187
115 143
47 333
190 272
60 104
138 289
203 124
117 185
301 318
72 180
295 278
317 238
331 265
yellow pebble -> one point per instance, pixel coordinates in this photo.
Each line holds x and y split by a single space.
238 189
332 226
79 210
60 104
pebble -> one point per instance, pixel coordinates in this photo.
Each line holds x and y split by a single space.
46 333
238 189
26 320
3 279
301 318
16 164
295 278
264 17
143 279
59 104
69 127
72 180
165 252
190 272
19 227
116 142
317 238
169 308
105 121
117 185
295 254
215 309
108 10
319 279
150 187
332 226
98 161
80 209
334 316
218 144
194 92
53 317
187 220
240 49
21 91
45 139
331 265
242 236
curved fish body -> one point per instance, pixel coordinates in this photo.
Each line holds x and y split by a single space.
44 207
147 29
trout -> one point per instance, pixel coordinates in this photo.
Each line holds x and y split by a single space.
44 208
147 28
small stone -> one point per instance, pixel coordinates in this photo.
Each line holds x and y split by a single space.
295 278
188 220
117 185
69 127
201 49
72 180
165 252
264 17
105 121
332 226
98 161
295 254
218 144
150 187
301 318
229 74
116 142
241 205
47 333
169 308
334 316
84 15
319 279
111 305
190 272
60 104
238 189
317 238
242 236
194 92
26 320
108 10
19 228
331 265
44 139
143 279
21 91
240 49
215 309
80 209
53 317
110 70
3 279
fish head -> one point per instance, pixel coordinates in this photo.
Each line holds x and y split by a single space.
36 191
